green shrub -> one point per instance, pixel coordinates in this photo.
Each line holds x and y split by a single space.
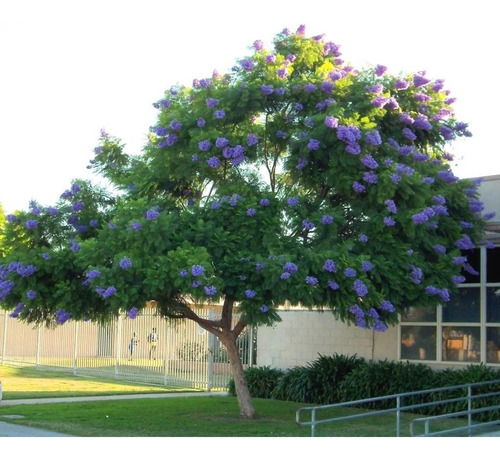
294 385
471 374
383 378
261 381
340 378
317 382
325 375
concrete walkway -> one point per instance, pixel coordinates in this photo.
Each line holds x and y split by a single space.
13 430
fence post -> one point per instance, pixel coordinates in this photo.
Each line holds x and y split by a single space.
469 408
166 355
250 347
4 345
398 416
211 348
118 344
38 344
75 352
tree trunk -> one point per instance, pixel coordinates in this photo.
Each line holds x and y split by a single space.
242 392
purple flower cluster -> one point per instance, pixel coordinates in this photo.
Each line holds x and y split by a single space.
308 225
330 266
313 144
132 313
93 274
251 212
370 177
301 163
326 219
250 293
416 275
333 285
290 267
443 293
19 308
25 271
152 214
210 290
106 292
31 224
389 221
213 162
211 103
74 246
360 288
31 295
313 281
264 308
464 243
369 161
125 263
419 80
391 206
401 85
292 201
78 206
252 139
331 122
6 287
387 306
439 249
197 270
373 138
204 145
366 266
349 272
350 135
221 142
409 134
476 206
62 316
358 187
422 122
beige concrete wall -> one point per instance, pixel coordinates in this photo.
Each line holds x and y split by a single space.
303 334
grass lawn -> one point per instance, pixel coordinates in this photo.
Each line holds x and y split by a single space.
211 416
185 417
24 383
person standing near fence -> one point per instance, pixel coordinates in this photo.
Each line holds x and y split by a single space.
153 342
133 344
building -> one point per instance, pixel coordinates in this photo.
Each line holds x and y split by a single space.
466 331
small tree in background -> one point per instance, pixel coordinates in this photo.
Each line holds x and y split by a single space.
294 177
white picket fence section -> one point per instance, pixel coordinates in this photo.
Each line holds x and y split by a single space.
185 356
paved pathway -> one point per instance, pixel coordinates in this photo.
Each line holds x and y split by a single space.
12 430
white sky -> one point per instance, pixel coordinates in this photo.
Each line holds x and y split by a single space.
70 68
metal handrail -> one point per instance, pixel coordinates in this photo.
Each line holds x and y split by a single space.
398 409
469 426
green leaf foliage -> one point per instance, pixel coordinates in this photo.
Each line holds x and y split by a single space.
259 186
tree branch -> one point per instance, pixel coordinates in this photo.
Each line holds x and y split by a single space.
209 325
238 328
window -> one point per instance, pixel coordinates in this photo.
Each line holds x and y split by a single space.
467 328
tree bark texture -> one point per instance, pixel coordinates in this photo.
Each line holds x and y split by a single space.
242 392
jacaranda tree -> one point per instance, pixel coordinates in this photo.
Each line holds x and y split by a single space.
294 177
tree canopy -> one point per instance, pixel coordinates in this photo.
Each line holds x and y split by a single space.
292 177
